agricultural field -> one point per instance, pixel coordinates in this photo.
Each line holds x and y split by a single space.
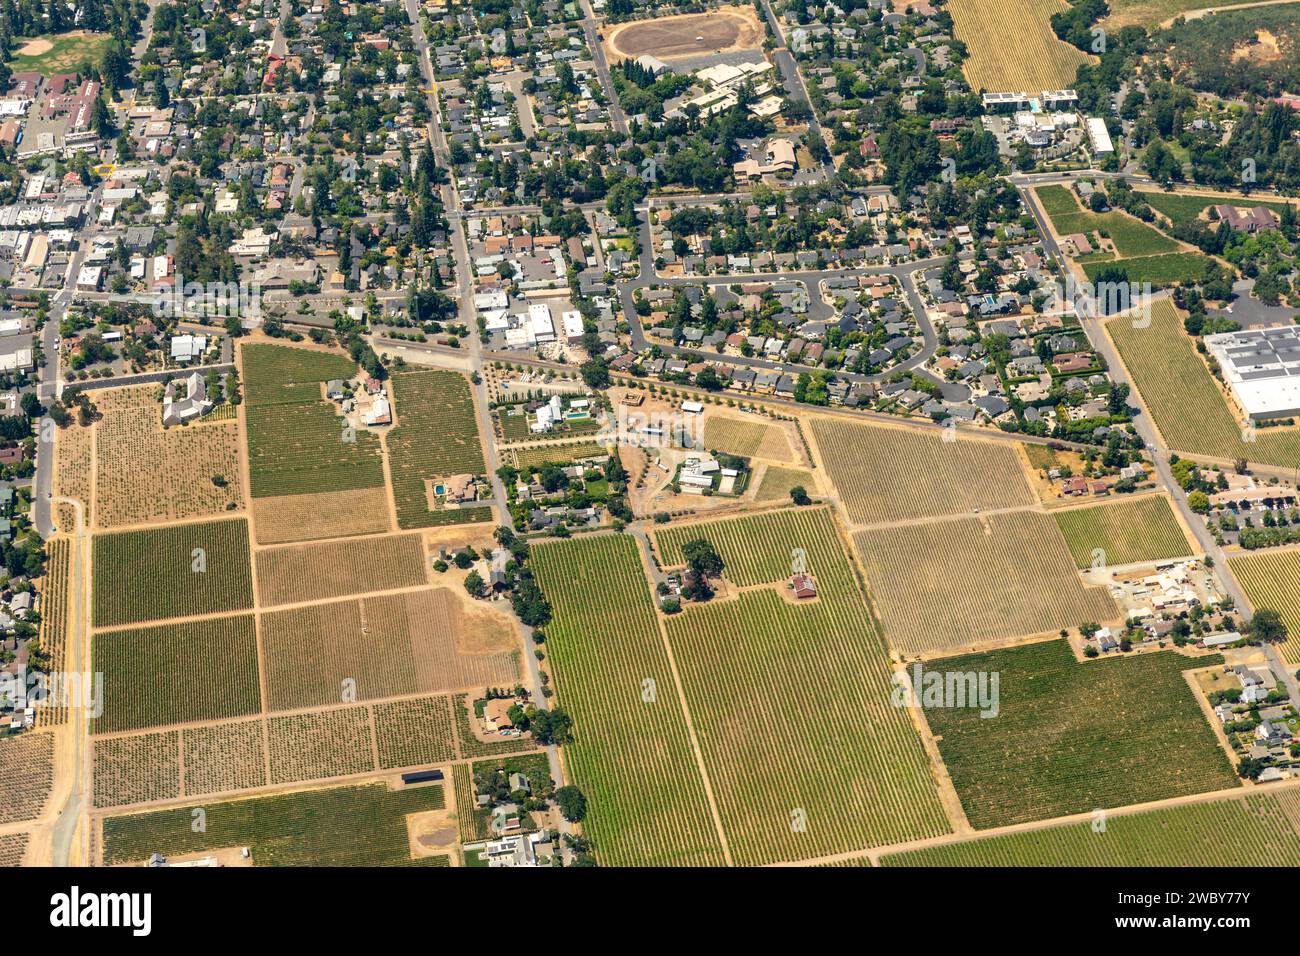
887 474
26 775
224 757
1182 397
565 454
1272 579
137 769
297 443
313 746
74 463
329 514
1148 13
633 759
816 682
746 438
1126 532
339 826
146 473
1072 737
414 732
310 572
776 483
974 579
54 622
1012 46
385 646
1159 271
437 437
177 673
1261 829
13 847
472 822
173 571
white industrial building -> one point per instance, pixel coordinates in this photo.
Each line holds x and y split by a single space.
1262 367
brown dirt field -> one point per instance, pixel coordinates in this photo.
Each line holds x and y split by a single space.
723 30
146 473
388 645
35 48
481 629
747 437
310 572
432 833
332 514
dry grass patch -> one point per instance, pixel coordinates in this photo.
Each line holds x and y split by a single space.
310 572
138 769
74 462
222 757
949 584
329 514
375 647
333 743
144 472
885 473
776 483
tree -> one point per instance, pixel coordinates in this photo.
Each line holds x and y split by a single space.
704 563
1267 625
474 584
572 803
799 495
551 726
1199 502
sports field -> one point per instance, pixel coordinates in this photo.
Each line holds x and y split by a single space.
340 826
722 29
58 53
632 754
1124 532
1259 830
1012 46
437 437
1182 397
1072 737
884 473
815 681
973 579
174 571
177 673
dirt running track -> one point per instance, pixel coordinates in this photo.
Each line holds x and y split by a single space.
692 34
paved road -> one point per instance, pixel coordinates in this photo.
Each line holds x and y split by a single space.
1101 342
812 279
616 115
793 79
464 288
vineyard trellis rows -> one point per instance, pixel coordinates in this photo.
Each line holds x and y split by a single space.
816 683
54 624
1271 579
1125 532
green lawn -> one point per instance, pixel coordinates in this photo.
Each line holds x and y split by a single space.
1071 737
1163 270
1180 209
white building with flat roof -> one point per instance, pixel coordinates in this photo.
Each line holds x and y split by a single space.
1099 136
1262 367
540 323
